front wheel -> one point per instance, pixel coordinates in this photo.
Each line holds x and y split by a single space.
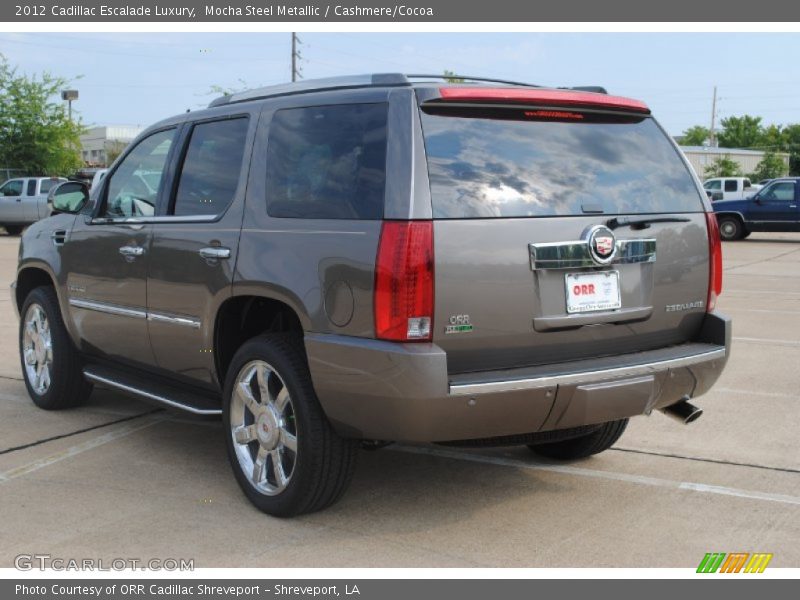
13 229
586 445
730 229
50 363
285 455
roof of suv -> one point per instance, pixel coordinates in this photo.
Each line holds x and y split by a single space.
377 80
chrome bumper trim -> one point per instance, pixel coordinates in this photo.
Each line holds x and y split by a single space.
491 387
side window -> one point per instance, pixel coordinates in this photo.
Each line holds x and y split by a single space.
212 166
779 191
12 188
730 185
327 162
47 184
713 185
31 187
747 184
133 188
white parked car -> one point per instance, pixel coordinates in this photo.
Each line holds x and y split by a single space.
730 188
23 200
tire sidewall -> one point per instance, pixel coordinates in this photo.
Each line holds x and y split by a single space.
46 299
736 232
303 404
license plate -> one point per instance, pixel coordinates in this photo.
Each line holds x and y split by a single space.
589 292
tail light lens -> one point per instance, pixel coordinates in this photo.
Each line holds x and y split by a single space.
714 262
404 282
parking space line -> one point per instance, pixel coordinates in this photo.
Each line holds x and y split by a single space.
722 390
701 488
767 341
80 448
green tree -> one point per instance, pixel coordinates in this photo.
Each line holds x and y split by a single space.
723 166
740 132
36 134
695 136
791 136
113 149
769 167
449 77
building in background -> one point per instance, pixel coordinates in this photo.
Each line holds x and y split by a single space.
702 156
102 144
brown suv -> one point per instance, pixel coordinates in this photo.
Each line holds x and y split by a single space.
370 259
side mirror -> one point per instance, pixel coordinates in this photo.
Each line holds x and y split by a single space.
68 197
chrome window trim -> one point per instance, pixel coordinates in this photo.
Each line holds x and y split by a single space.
576 254
150 220
111 309
492 387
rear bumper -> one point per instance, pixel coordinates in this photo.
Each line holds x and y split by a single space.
382 390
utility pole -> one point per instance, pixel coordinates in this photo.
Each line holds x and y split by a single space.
711 136
296 56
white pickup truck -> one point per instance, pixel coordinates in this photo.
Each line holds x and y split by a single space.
730 188
23 200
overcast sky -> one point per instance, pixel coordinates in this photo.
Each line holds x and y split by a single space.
141 78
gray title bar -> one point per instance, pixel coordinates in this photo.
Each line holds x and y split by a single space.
732 588
255 11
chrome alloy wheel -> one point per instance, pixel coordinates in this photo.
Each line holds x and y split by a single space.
37 349
263 428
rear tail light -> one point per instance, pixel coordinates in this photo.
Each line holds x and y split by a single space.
714 262
404 282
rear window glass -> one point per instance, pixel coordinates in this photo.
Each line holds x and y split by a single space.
47 184
510 165
327 162
211 169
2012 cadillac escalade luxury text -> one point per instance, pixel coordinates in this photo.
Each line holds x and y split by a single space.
383 258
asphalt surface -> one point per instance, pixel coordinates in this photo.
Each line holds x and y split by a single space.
113 479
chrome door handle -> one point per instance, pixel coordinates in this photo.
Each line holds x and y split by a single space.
215 252
131 251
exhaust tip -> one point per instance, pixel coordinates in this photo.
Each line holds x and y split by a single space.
683 411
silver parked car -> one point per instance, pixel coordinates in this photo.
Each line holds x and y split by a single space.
23 200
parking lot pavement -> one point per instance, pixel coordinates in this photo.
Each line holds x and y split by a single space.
117 479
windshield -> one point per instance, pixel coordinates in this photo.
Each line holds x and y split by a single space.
503 163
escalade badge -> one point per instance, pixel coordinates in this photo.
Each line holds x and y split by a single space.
602 244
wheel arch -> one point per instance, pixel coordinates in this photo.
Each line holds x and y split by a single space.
245 316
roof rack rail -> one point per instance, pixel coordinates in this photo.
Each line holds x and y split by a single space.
314 85
597 89
468 78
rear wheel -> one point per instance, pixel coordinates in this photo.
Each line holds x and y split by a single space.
730 228
583 446
51 365
13 229
285 455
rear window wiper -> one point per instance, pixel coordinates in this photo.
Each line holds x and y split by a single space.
642 222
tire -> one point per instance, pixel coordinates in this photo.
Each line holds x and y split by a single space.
13 229
586 445
303 465
730 229
51 365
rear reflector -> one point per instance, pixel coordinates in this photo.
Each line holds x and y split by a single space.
714 262
404 282
542 96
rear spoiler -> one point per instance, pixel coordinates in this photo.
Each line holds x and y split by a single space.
537 96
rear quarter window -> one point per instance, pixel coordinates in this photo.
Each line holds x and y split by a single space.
509 165
327 162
